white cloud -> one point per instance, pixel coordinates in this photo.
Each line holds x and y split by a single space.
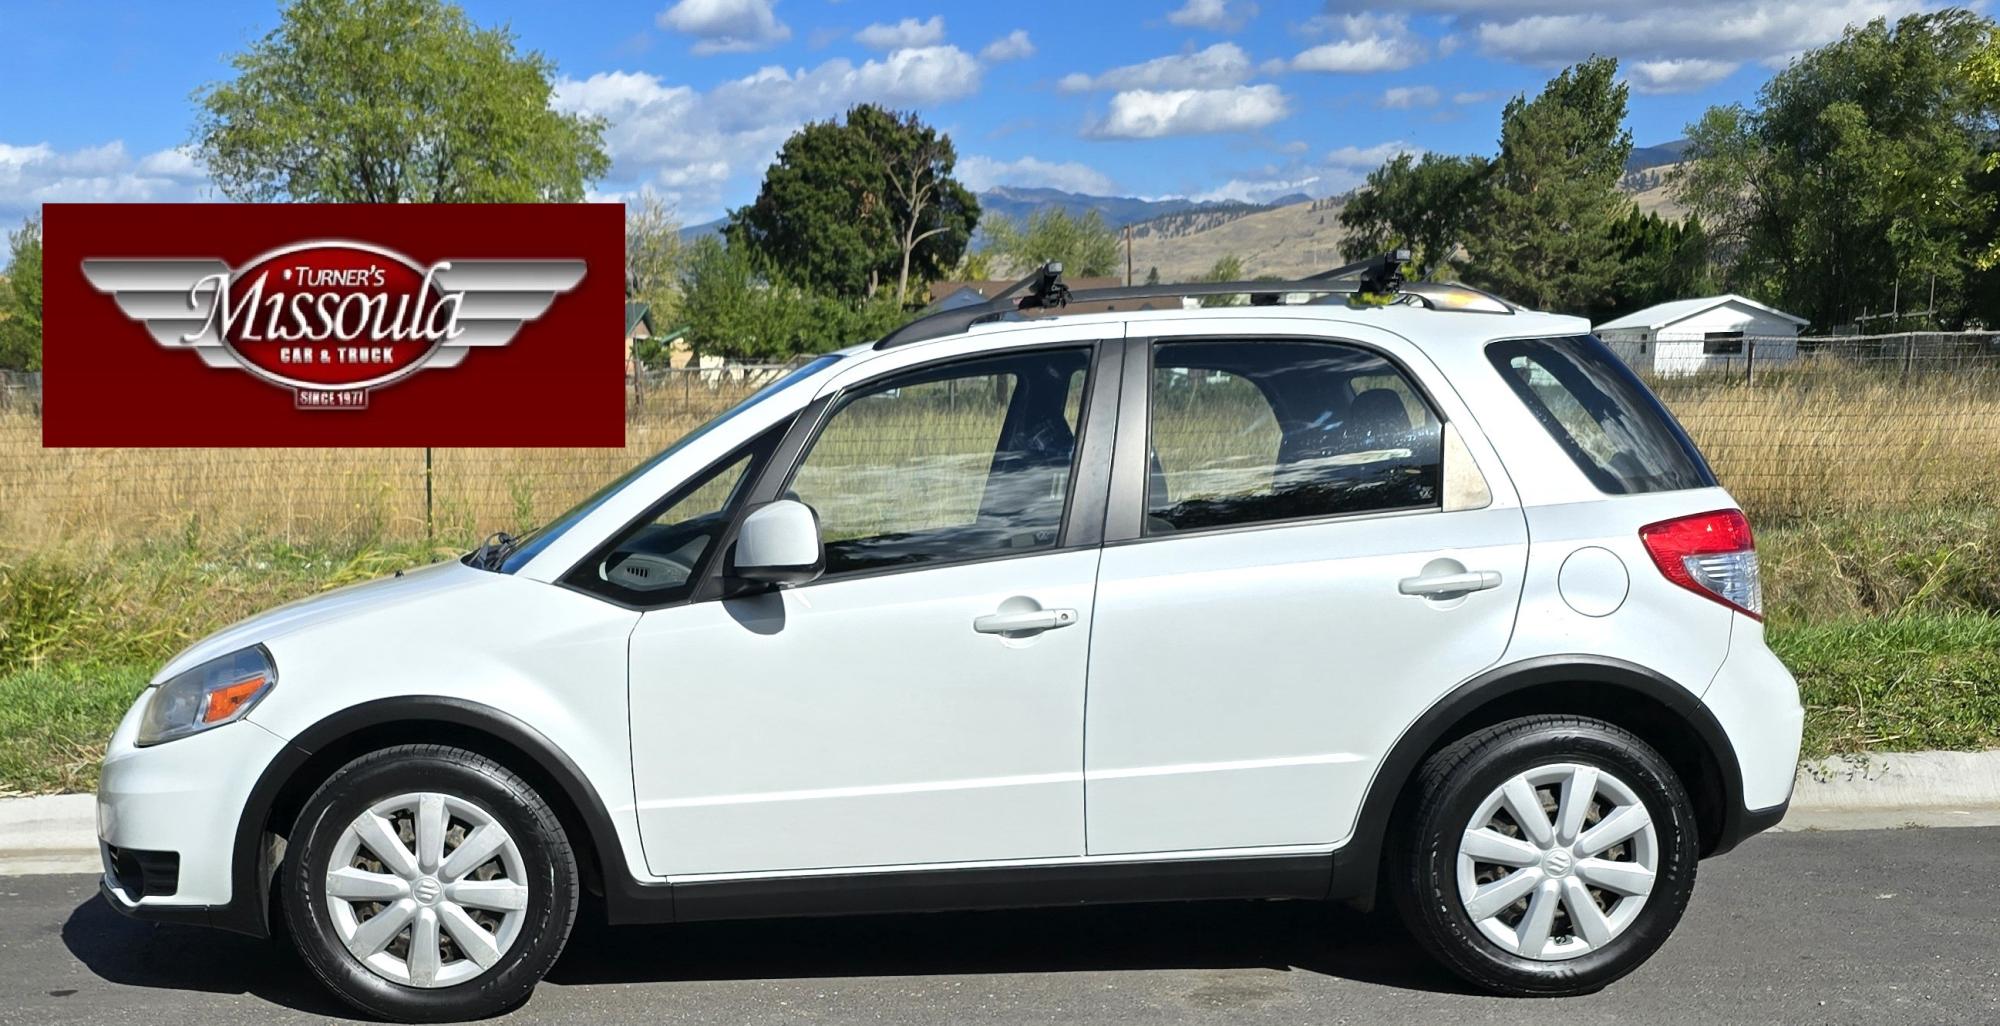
982 173
1554 32
1013 46
1216 15
1480 96
1336 172
1152 114
1370 43
906 33
1368 158
690 145
726 26
1680 75
1409 97
31 175
1224 64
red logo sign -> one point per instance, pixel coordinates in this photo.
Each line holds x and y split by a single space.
348 322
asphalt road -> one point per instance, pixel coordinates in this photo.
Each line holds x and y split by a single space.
1890 926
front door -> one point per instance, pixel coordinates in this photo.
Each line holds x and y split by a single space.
1293 588
923 701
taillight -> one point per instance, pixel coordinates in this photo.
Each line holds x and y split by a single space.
1710 554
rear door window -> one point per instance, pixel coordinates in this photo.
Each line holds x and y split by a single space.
1609 423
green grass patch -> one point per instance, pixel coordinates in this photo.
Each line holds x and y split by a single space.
1914 683
55 720
1890 621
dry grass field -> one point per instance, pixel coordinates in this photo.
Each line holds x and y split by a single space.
1876 498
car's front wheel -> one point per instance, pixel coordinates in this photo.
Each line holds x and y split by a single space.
1544 856
427 883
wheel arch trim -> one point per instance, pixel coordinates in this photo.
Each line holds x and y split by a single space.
1357 863
252 859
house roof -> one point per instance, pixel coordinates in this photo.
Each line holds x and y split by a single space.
637 313
1655 317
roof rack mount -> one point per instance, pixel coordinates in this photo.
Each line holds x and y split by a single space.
1378 279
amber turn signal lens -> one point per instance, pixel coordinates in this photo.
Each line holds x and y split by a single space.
223 702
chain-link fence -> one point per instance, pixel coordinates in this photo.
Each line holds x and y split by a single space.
1792 427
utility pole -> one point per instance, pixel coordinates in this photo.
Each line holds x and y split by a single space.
1128 256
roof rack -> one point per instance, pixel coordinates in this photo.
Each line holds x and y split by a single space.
1377 280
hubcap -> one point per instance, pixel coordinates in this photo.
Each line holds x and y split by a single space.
1557 862
426 889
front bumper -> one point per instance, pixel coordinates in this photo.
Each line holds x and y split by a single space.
183 799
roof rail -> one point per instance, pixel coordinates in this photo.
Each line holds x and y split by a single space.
1379 279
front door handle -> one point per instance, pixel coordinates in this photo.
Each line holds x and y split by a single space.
1026 621
1444 585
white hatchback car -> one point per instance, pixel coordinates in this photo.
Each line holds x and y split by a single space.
1306 598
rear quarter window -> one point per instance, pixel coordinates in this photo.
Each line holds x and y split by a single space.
1599 412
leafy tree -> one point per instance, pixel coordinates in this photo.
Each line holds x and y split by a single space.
1427 204
1545 234
1086 246
1659 261
1153 275
851 205
1858 174
388 101
736 305
1228 267
21 301
654 254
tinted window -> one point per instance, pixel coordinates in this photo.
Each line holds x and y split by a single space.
1597 410
1256 431
944 465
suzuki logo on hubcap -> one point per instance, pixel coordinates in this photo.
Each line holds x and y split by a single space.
1558 862
427 891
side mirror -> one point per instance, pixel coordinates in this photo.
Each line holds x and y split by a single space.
779 544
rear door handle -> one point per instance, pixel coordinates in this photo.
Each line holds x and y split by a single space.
1441 585
1024 621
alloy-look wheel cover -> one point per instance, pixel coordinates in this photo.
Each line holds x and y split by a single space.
426 889
1557 862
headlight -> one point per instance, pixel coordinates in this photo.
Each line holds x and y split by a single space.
219 691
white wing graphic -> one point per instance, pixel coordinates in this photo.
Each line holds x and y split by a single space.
500 296
169 297
173 299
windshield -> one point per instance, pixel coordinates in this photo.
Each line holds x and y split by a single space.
535 541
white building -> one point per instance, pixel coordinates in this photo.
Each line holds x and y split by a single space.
1689 336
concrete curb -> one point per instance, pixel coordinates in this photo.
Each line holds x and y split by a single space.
58 833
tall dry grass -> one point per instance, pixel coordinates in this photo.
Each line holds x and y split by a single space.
1833 437
1796 443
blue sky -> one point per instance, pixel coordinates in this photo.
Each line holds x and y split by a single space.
1205 98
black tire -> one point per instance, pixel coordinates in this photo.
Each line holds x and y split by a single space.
1450 789
545 852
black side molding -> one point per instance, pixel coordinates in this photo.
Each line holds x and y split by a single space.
939 890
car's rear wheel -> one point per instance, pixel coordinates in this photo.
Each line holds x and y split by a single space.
427 883
1545 856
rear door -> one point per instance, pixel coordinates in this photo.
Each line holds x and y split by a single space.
1302 554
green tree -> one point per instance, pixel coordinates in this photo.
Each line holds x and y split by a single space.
849 206
1659 260
1427 204
737 305
1153 275
1857 179
21 300
1228 267
392 101
1544 236
1086 246
654 254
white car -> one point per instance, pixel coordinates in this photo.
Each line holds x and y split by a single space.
1317 597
